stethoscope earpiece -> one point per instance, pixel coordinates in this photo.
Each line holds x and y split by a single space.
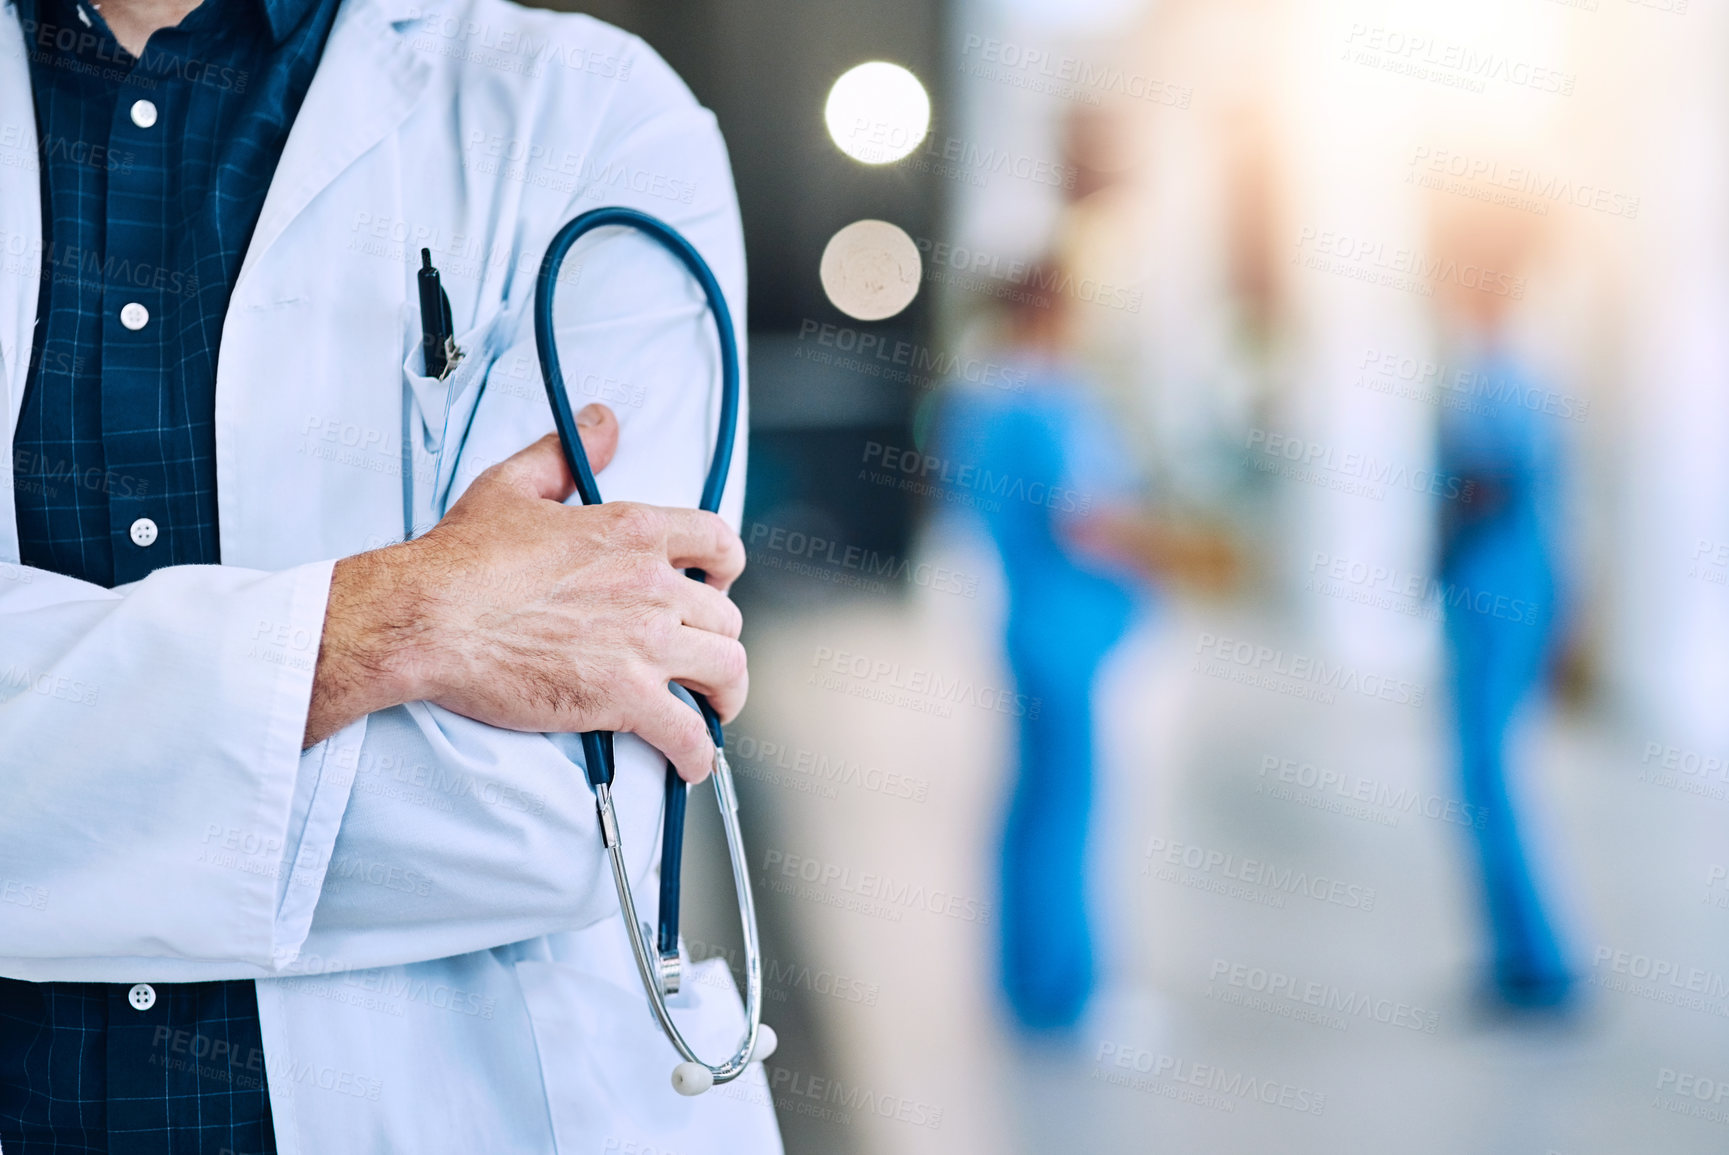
695 1078
691 1078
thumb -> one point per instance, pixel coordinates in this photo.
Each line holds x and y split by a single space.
599 428
540 469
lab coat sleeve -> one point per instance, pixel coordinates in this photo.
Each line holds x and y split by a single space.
459 836
152 791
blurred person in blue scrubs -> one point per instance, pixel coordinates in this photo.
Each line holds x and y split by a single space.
1058 496
1052 452
1500 589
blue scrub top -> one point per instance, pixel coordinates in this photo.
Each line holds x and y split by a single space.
1046 455
1495 432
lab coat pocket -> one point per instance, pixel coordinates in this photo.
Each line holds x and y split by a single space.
607 1067
436 414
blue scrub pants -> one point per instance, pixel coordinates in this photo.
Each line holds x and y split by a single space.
1496 662
1055 648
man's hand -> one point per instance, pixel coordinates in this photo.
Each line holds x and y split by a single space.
528 614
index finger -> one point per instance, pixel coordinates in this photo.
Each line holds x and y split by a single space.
696 538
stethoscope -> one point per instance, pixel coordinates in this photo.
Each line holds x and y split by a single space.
657 963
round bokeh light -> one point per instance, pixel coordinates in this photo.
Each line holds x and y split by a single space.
871 270
877 112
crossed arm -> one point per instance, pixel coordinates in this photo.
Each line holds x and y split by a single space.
514 612
527 614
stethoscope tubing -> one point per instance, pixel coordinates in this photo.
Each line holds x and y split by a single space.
659 965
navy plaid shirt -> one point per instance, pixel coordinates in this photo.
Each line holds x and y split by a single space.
154 172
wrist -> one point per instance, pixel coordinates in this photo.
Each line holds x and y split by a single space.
380 627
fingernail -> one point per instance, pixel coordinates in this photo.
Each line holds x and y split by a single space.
590 415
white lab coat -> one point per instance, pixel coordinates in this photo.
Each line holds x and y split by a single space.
422 899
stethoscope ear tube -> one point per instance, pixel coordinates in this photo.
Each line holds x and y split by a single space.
648 963
659 965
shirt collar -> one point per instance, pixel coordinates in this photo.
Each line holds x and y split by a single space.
284 16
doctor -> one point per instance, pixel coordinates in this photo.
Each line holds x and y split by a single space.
295 849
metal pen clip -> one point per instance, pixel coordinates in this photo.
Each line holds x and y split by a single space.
452 357
437 341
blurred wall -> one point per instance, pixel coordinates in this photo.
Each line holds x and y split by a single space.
765 68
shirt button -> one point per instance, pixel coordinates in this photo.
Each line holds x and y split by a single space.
134 316
142 997
143 113
143 533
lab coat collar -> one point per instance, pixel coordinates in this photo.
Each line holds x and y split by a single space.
20 215
338 123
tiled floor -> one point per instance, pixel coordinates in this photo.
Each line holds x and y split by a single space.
875 891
